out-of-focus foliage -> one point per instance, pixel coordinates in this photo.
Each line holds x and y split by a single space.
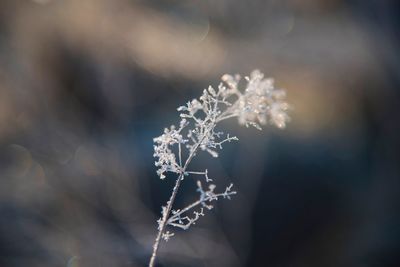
86 85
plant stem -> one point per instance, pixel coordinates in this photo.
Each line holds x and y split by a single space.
194 204
164 220
167 211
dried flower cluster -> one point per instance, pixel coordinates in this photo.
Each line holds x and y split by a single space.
260 103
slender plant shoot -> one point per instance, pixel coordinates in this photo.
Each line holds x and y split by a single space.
260 103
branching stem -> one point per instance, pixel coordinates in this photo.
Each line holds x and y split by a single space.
166 213
198 202
260 103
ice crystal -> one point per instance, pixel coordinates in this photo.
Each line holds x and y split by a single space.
162 149
167 235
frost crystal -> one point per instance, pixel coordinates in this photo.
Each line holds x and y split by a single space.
258 104
167 235
162 149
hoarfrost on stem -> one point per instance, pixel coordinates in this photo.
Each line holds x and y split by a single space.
259 103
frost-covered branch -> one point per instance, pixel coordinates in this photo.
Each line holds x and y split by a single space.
205 173
258 104
206 196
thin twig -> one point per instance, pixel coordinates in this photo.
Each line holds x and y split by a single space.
170 202
194 204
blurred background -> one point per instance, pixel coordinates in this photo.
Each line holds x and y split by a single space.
86 85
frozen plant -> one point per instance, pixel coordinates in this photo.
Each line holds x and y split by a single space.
259 103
